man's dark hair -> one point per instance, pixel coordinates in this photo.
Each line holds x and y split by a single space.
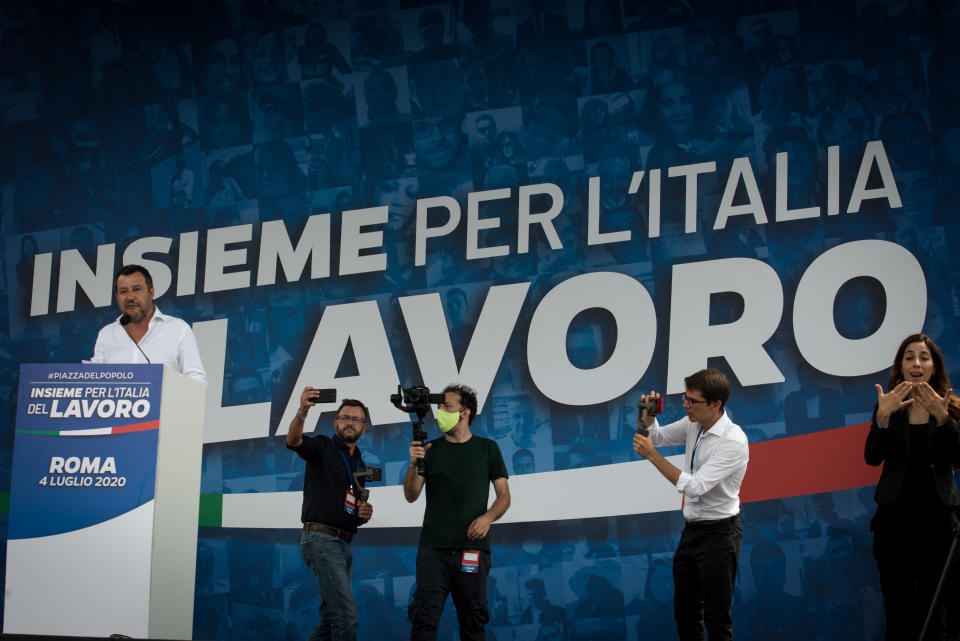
352 402
129 270
711 383
468 398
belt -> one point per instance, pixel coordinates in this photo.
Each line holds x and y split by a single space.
326 529
714 522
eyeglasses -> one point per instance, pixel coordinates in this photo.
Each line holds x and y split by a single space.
692 401
423 128
352 419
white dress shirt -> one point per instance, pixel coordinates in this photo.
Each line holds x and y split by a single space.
169 341
711 485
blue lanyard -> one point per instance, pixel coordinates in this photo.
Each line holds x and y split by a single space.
695 445
349 469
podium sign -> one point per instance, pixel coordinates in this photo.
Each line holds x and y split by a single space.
82 552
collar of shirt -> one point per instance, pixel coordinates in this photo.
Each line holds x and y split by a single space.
157 317
720 428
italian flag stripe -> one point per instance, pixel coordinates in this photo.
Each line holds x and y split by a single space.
825 461
136 427
99 431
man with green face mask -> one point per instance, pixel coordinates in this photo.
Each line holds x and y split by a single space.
454 553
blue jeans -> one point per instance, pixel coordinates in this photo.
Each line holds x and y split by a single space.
331 560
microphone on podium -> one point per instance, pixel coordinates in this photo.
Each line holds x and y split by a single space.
124 321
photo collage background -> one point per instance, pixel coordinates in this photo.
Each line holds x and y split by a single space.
130 119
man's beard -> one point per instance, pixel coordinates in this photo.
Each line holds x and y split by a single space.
349 439
136 314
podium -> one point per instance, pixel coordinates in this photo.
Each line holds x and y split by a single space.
104 501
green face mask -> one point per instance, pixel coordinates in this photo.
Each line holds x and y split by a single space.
447 420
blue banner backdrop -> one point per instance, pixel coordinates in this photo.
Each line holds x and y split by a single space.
591 199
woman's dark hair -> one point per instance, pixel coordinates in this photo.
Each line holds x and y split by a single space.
939 381
502 138
650 119
150 79
202 51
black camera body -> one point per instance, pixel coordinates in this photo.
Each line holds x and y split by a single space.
654 406
365 474
326 395
417 396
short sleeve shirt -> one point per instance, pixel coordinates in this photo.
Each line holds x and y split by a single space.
458 477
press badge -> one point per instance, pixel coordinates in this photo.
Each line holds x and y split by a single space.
350 502
470 562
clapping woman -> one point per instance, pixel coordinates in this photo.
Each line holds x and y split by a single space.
914 435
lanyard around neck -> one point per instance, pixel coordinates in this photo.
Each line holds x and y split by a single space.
349 469
695 446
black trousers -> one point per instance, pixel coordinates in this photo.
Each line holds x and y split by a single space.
910 560
438 574
704 574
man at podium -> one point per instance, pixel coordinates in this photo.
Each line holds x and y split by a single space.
144 334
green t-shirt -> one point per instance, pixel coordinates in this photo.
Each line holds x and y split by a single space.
458 477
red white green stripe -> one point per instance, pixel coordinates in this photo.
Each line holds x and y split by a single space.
98 431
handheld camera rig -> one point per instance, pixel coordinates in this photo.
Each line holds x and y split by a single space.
653 406
364 473
418 401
